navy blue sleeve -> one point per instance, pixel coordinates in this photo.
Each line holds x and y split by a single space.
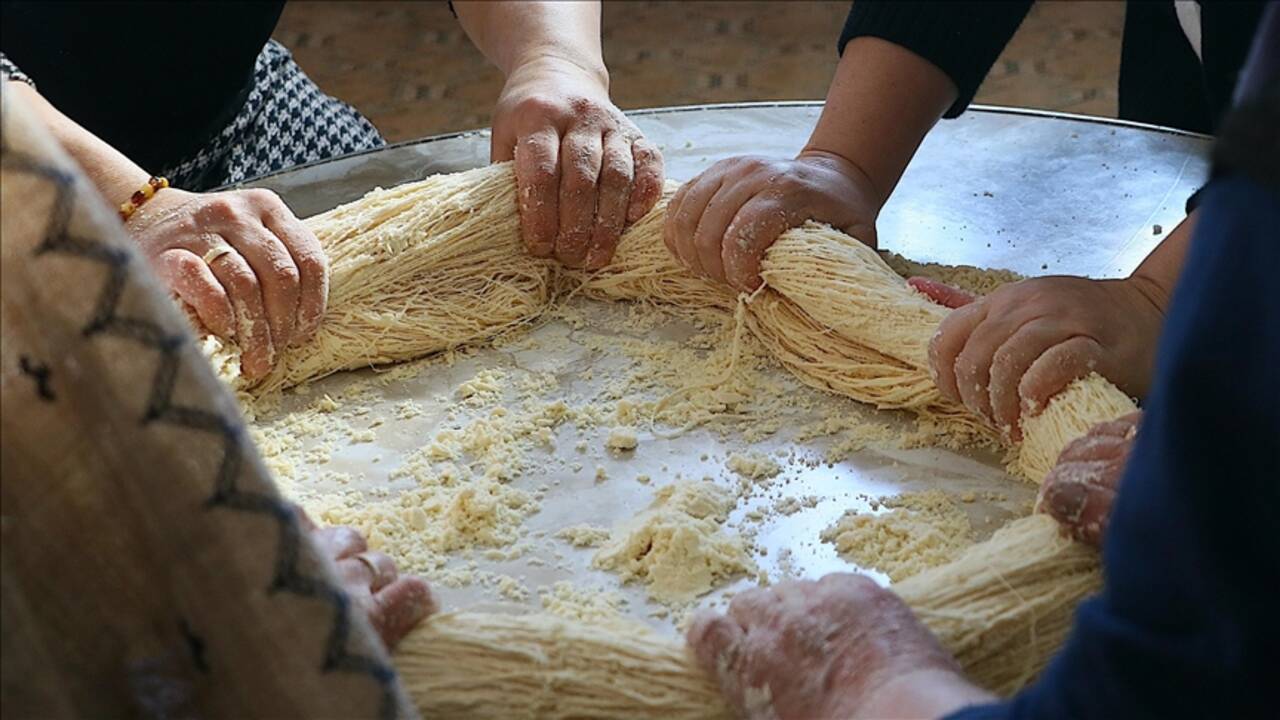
1187 625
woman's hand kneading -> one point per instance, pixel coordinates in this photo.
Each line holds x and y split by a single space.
248 268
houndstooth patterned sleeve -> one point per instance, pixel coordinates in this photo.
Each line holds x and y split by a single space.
9 71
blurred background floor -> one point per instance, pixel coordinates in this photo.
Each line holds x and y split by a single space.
411 70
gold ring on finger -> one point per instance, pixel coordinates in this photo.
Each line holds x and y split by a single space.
216 252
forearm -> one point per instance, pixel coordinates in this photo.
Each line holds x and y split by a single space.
1158 273
513 34
115 175
961 38
883 100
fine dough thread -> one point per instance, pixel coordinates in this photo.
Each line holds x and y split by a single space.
736 351
439 263
417 269
492 665
1003 608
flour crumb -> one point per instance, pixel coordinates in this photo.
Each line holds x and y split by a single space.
511 588
621 439
918 531
753 465
787 564
591 605
485 386
582 536
676 546
790 505
407 410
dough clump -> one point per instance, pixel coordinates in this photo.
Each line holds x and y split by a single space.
676 547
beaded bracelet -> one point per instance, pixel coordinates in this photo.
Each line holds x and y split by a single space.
141 195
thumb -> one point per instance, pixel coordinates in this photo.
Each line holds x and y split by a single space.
502 136
942 293
713 639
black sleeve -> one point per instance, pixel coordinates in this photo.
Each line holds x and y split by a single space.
962 38
1248 144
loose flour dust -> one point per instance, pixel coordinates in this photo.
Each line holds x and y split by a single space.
918 530
449 501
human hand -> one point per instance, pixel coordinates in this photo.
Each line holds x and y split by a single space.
240 259
1005 355
839 647
394 604
583 169
721 223
1080 489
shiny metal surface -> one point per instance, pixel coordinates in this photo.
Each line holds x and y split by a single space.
1030 192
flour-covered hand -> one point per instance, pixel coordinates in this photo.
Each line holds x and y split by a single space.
1081 488
248 268
1005 355
838 647
583 169
720 223
394 603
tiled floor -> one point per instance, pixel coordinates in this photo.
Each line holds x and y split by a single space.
409 67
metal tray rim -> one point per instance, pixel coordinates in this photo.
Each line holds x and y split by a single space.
673 109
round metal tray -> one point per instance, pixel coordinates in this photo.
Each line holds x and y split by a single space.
1033 192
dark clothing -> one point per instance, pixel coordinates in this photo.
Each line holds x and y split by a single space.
196 92
962 38
1161 80
1250 142
1186 625
285 121
156 80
